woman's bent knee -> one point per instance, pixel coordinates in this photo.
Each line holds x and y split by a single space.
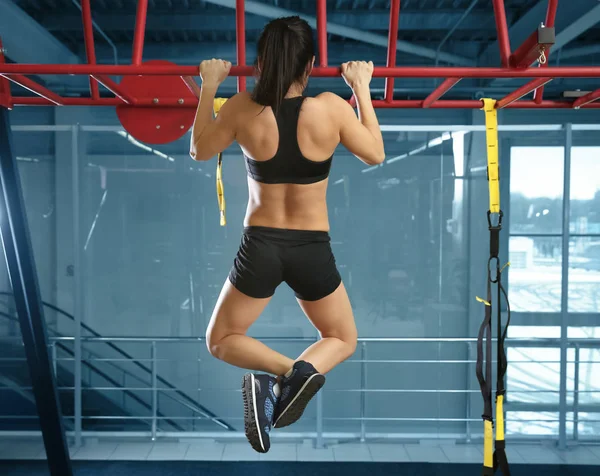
213 344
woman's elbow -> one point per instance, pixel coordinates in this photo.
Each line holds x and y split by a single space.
376 158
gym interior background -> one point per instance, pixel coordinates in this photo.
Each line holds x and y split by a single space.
130 257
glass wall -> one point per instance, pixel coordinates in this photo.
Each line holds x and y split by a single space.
410 239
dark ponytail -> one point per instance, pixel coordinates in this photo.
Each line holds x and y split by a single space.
285 52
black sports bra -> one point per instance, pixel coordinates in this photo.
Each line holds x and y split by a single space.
288 165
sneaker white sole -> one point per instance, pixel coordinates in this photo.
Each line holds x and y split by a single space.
262 444
298 395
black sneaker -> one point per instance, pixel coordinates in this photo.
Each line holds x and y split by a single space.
259 405
296 391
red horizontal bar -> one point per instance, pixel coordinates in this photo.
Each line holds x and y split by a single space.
440 91
587 99
379 72
522 91
115 89
35 88
502 30
322 31
397 104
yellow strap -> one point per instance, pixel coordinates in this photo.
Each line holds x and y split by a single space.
487 303
488 444
491 132
500 418
217 105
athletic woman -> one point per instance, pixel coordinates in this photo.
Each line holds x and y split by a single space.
288 142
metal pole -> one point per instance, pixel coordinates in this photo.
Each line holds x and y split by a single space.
502 29
468 409
140 31
88 32
392 47
576 395
154 389
53 350
240 32
322 31
363 394
77 284
23 276
564 327
319 440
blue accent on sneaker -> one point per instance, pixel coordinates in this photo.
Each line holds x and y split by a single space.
259 403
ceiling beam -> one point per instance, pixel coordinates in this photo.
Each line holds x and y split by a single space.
356 34
26 41
569 13
217 21
187 53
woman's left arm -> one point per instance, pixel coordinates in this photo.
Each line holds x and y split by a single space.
211 136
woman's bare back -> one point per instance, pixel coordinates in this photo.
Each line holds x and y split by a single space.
291 206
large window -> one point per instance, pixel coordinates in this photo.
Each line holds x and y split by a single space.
536 285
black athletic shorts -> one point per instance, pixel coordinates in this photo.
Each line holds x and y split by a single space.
301 258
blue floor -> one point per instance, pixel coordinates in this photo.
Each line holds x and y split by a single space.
185 468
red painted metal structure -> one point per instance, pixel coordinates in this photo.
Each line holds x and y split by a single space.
100 73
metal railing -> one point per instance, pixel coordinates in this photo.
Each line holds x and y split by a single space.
319 435
178 396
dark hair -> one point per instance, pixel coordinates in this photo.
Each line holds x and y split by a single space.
285 49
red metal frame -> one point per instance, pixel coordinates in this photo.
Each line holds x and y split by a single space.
240 24
502 29
114 88
90 50
440 91
452 75
587 99
392 47
538 95
328 72
522 91
322 31
140 31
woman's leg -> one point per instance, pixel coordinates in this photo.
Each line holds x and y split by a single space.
334 319
226 337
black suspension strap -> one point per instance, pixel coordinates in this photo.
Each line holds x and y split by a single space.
494 457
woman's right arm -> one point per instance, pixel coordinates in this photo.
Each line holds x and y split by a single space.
362 135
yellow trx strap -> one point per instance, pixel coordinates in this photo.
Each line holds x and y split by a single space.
494 456
491 131
218 103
